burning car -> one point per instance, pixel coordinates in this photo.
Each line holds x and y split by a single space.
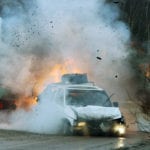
7 101
7 104
87 108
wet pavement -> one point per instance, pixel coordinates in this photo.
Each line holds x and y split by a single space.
13 140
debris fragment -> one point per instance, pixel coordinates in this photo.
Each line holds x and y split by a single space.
116 76
116 2
99 58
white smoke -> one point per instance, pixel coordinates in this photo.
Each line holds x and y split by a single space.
80 28
44 118
52 32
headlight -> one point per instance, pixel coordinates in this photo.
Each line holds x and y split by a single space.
120 129
81 124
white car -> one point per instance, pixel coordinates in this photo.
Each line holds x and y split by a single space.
87 108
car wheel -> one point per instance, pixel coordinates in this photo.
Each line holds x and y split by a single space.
85 131
105 127
66 128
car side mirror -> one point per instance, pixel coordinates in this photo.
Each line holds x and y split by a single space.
115 104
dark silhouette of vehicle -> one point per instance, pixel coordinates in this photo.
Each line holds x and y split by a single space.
7 104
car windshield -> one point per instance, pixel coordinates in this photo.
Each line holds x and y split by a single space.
87 97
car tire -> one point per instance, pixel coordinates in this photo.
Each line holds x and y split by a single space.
66 128
105 127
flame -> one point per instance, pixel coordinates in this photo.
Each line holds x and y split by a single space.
54 74
59 69
43 79
26 102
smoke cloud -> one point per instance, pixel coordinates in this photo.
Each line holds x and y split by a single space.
40 40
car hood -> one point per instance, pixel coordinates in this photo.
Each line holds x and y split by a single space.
97 112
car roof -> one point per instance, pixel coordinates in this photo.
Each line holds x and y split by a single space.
85 86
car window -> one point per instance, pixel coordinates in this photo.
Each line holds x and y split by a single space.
87 97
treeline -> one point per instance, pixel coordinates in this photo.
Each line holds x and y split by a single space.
136 13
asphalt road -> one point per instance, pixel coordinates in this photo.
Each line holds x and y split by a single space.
13 140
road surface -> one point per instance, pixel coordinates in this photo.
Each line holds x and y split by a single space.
13 140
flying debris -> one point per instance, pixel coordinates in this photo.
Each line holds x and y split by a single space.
116 76
99 58
116 2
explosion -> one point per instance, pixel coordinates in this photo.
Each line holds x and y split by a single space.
40 41
53 75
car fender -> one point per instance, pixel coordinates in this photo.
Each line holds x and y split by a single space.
70 115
